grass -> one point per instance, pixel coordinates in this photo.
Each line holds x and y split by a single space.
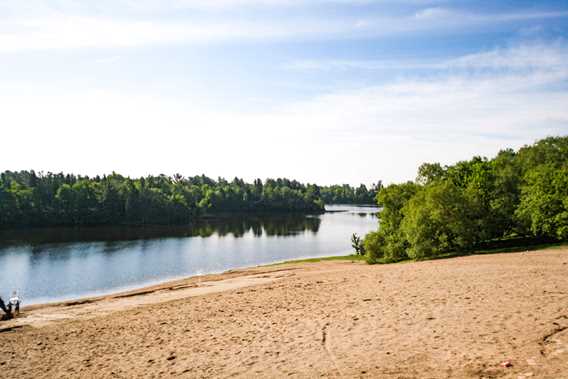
516 249
497 250
500 250
351 258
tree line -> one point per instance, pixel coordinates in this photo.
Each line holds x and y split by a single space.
28 198
516 196
346 194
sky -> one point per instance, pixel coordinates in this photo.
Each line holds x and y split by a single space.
322 91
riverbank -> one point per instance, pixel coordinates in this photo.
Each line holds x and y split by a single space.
461 317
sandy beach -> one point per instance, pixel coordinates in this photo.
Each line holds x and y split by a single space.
498 315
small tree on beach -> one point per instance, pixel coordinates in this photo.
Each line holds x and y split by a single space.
357 244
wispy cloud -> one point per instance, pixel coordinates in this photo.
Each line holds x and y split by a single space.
68 32
153 7
434 13
68 28
446 19
540 56
544 57
455 108
498 92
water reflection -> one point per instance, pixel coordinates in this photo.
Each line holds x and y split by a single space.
64 263
282 226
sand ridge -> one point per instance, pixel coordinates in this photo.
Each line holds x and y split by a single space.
453 318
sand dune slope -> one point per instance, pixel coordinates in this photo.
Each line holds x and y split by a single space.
459 317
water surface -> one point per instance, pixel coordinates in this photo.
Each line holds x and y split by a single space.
66 263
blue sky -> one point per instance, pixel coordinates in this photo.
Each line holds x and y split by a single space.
323 91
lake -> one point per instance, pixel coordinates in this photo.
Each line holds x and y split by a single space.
54 264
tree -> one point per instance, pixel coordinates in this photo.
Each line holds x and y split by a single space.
345 194
517 195
437 220
389 243
36 199
543 209
430 172
357 244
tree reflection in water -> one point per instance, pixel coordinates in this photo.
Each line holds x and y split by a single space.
281 226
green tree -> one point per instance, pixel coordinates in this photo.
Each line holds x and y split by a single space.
437 220
389 243
430 172
543 209
480 202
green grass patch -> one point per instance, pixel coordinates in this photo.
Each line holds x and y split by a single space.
503 249
493 250
362 258
383 261
516 249
351 257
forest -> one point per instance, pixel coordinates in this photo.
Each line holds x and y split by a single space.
30 199
516 196
34 199
346 194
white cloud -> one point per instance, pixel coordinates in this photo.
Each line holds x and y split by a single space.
433 13
153 7
457 17
219 5
64 32
68 27
527 56
547 58
446 19
68 32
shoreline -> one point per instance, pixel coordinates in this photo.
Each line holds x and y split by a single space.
175 282
194 281
45 314
166 285
214 276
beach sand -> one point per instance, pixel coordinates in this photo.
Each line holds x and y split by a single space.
455 318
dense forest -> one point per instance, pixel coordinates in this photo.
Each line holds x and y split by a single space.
345 194
28 198
518 195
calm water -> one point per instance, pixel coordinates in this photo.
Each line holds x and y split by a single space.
65 263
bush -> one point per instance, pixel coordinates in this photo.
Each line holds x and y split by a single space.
380 247
373 244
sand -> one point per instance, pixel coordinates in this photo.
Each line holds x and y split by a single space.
455 318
